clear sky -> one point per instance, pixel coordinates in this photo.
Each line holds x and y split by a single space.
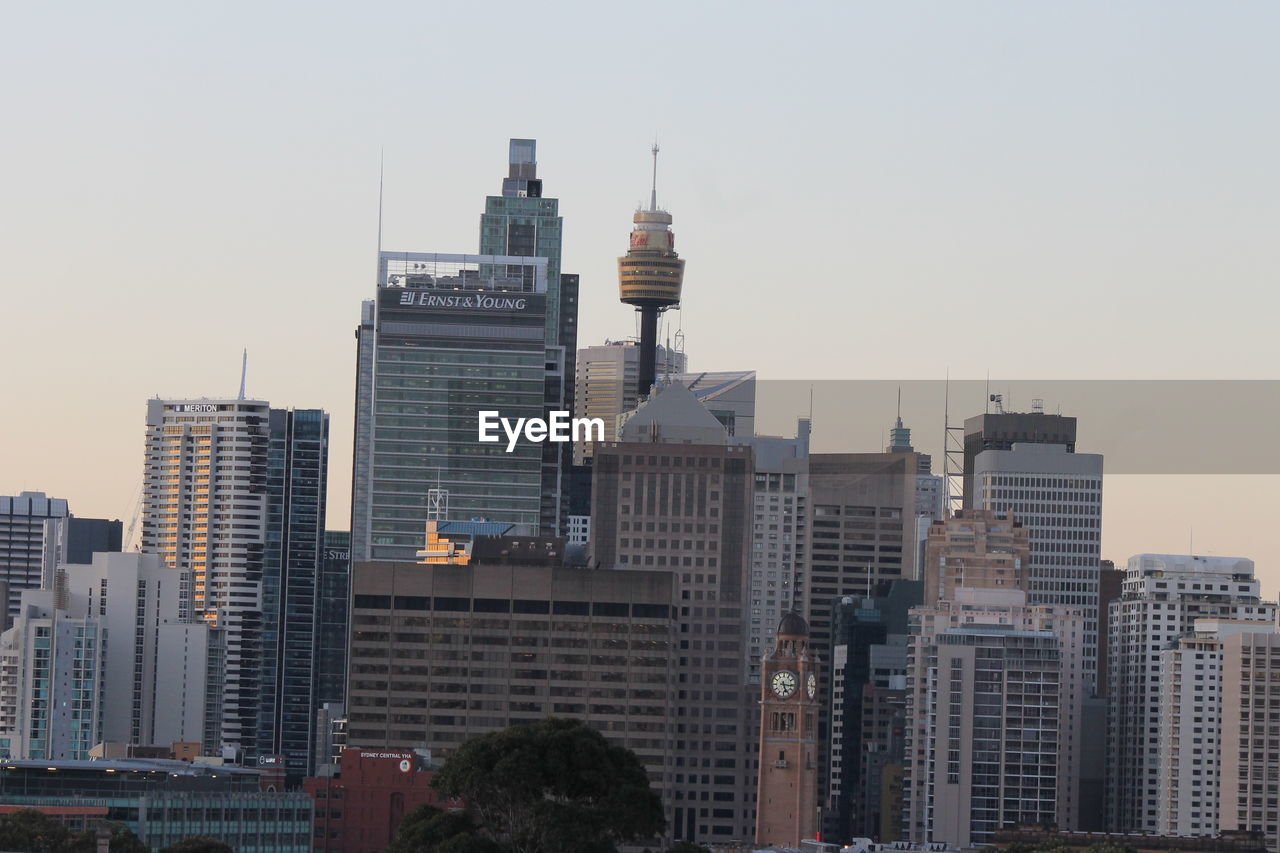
862 190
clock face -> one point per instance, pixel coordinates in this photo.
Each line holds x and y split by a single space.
784 683
811 685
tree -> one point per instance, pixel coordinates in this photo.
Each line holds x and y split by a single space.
30 831
687 847
199 844
122 840
427 829
553 787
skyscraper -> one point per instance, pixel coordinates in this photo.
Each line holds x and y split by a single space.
448 336
522 222
297 481
1000 430
606 382
1056 495
1163 597
976 548
234 499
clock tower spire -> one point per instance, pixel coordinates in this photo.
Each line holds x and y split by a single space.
787 801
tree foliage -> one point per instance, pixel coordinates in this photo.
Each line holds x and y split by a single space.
32 831
553 787
687 847
427 829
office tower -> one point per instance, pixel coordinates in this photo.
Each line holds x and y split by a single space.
37 532
778 531
1110 588
51 666
204 511
787 800
861 532
448 336
524 222
673 495
292 558
650 277
976 548
994 705
1163 597
441 653
1057 496
1001 430
606 382
857 627
334 619
931 489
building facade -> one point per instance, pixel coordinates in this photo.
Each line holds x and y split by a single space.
1056 494
1163 597
976 548
995 710
605 385
448 336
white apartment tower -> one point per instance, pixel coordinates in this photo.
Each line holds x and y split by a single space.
1163 596
1057 495
994 711
204 512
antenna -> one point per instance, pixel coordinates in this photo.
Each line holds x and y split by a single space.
382 156
899 423
244 371
653 197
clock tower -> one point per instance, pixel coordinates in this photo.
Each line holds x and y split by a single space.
787 800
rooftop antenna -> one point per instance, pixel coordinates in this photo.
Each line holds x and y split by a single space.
653 196
382 156
244 371
898 423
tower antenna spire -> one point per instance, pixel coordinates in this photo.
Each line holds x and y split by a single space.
653 196
244 370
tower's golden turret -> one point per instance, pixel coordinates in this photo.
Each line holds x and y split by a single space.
650 276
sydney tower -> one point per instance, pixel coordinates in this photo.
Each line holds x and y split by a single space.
649 277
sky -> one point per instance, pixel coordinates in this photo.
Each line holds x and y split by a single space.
895 191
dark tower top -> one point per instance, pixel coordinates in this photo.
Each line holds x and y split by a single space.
793 625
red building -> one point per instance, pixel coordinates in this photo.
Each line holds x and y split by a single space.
359 810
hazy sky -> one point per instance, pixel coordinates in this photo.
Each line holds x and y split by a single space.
861 190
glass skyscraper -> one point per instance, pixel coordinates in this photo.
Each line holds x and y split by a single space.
297 477
447 337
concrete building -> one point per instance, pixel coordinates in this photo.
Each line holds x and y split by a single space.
976 548
1001 430
1250 763
994 709
779 503
675 496
51 666
441 653
1163 597
606 384
1057 496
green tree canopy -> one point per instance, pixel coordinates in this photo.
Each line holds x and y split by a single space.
30 831
553 787
427 829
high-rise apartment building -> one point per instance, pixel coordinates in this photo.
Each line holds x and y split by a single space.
204 512
1250 763
605 384
448 336
976 548
234 500
675 496
994 709
1056 494
51 678
292 566
1163 597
